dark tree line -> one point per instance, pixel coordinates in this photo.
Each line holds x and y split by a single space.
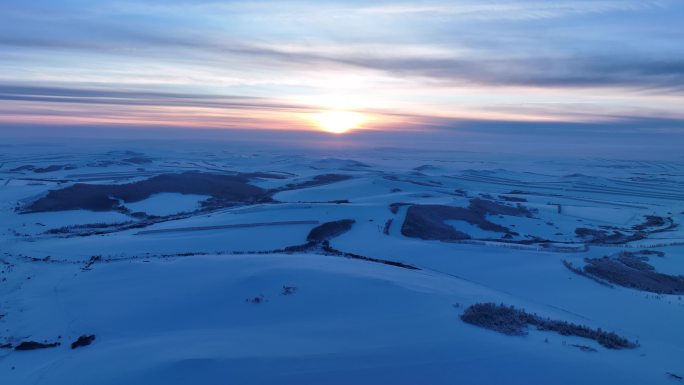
511 321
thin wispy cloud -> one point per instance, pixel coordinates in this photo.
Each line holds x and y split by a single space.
514 10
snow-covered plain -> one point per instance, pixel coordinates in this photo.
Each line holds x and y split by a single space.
189 293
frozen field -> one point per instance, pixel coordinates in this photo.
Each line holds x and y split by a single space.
200 266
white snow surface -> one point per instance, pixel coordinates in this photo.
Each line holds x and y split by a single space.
167 203
172 301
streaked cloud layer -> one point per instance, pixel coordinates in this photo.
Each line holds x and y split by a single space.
408 65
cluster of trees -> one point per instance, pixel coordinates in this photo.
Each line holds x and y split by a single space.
329 250
511 321
330 230
394 207
88 227
580 271
223 189
652 221
318 180
428 221
386 227
605 237
629 271
33 345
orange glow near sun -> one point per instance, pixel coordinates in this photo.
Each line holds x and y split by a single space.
338 122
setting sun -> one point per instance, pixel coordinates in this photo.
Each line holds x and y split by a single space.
338 122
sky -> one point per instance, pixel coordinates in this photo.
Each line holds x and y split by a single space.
518 67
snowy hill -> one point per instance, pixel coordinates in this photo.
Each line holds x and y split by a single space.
221 281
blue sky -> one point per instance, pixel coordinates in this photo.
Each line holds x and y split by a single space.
413 66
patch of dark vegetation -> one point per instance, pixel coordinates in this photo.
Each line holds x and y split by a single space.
427 183
512 199
655 224
104 228
298 248
119 153
70 231
651 221
46 169
220 227
386 227
500 318
289 290
34 259
93 260
89 227
51 168
340 164
225 190
82 341
580 271
33 345
610 235
427 221
394 207
635 262
607 237
335 201
629 270
424 183
66 167
265 175
327 249
26 167
674 376
584 348
584 232
483 207
632 270
330 230
256 300
575 175
518 192
426 167
514 322
318 180
652 252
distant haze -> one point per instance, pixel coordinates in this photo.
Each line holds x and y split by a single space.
477 141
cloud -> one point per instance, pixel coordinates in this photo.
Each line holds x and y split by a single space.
12 92
512 10
607 125
666 75
519 58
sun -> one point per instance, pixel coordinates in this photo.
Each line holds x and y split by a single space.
338 122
